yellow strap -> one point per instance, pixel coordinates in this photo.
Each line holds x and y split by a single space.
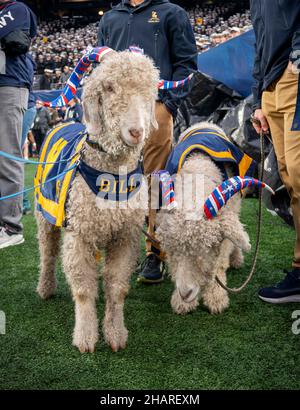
203 132
216 154
244 165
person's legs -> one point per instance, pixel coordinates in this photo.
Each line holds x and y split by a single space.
287 94
27 123
279 107
39 138
156 153
276 123
287 99
13 103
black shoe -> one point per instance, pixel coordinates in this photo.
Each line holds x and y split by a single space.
284 292
152 271
27 211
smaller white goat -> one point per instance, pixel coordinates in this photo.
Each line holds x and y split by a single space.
119 101
199 249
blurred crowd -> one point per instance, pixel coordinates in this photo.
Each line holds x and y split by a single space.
215 25
61 43
57 48
46 118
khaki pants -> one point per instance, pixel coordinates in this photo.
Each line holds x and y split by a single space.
279 105
156 152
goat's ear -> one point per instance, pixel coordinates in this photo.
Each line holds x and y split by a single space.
91 115
234 231
153 116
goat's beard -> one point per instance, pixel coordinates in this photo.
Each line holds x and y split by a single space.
115 144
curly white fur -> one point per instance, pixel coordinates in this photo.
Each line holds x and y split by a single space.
199 249
118 101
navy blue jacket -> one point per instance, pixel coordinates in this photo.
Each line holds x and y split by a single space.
162 30
74 113
15 15
277 31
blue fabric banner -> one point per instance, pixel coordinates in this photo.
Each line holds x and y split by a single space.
231 63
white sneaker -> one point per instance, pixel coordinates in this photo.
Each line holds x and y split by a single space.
9 239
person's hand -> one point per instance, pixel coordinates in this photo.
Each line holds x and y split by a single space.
292 68
262 123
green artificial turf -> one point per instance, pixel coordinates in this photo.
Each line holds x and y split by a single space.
250 346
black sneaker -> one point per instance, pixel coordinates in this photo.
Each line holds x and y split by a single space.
152 271
284 292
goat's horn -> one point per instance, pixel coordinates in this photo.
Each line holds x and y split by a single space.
221 195
172 85
69 92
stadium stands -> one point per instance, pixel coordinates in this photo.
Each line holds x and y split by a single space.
60 43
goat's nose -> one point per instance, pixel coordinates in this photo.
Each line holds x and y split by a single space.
189 293
136 133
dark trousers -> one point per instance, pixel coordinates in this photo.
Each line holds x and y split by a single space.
39 137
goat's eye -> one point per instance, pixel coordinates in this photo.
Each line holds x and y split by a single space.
109 88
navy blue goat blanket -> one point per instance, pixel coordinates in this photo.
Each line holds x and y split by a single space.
61 151
216 145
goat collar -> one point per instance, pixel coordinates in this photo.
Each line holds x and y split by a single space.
94 144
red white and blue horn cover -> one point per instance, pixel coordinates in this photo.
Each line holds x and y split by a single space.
167 189
136 49
221 195
69 92
96 55
172 85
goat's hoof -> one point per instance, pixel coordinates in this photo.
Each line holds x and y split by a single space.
85 342
115 347
45 291
117 340
86 349
85 346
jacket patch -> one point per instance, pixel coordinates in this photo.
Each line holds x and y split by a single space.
154 18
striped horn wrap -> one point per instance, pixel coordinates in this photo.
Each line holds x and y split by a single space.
96 55
221 195
69 92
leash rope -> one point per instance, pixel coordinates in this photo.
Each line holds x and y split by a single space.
38 186
28 161
259 225
151 239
